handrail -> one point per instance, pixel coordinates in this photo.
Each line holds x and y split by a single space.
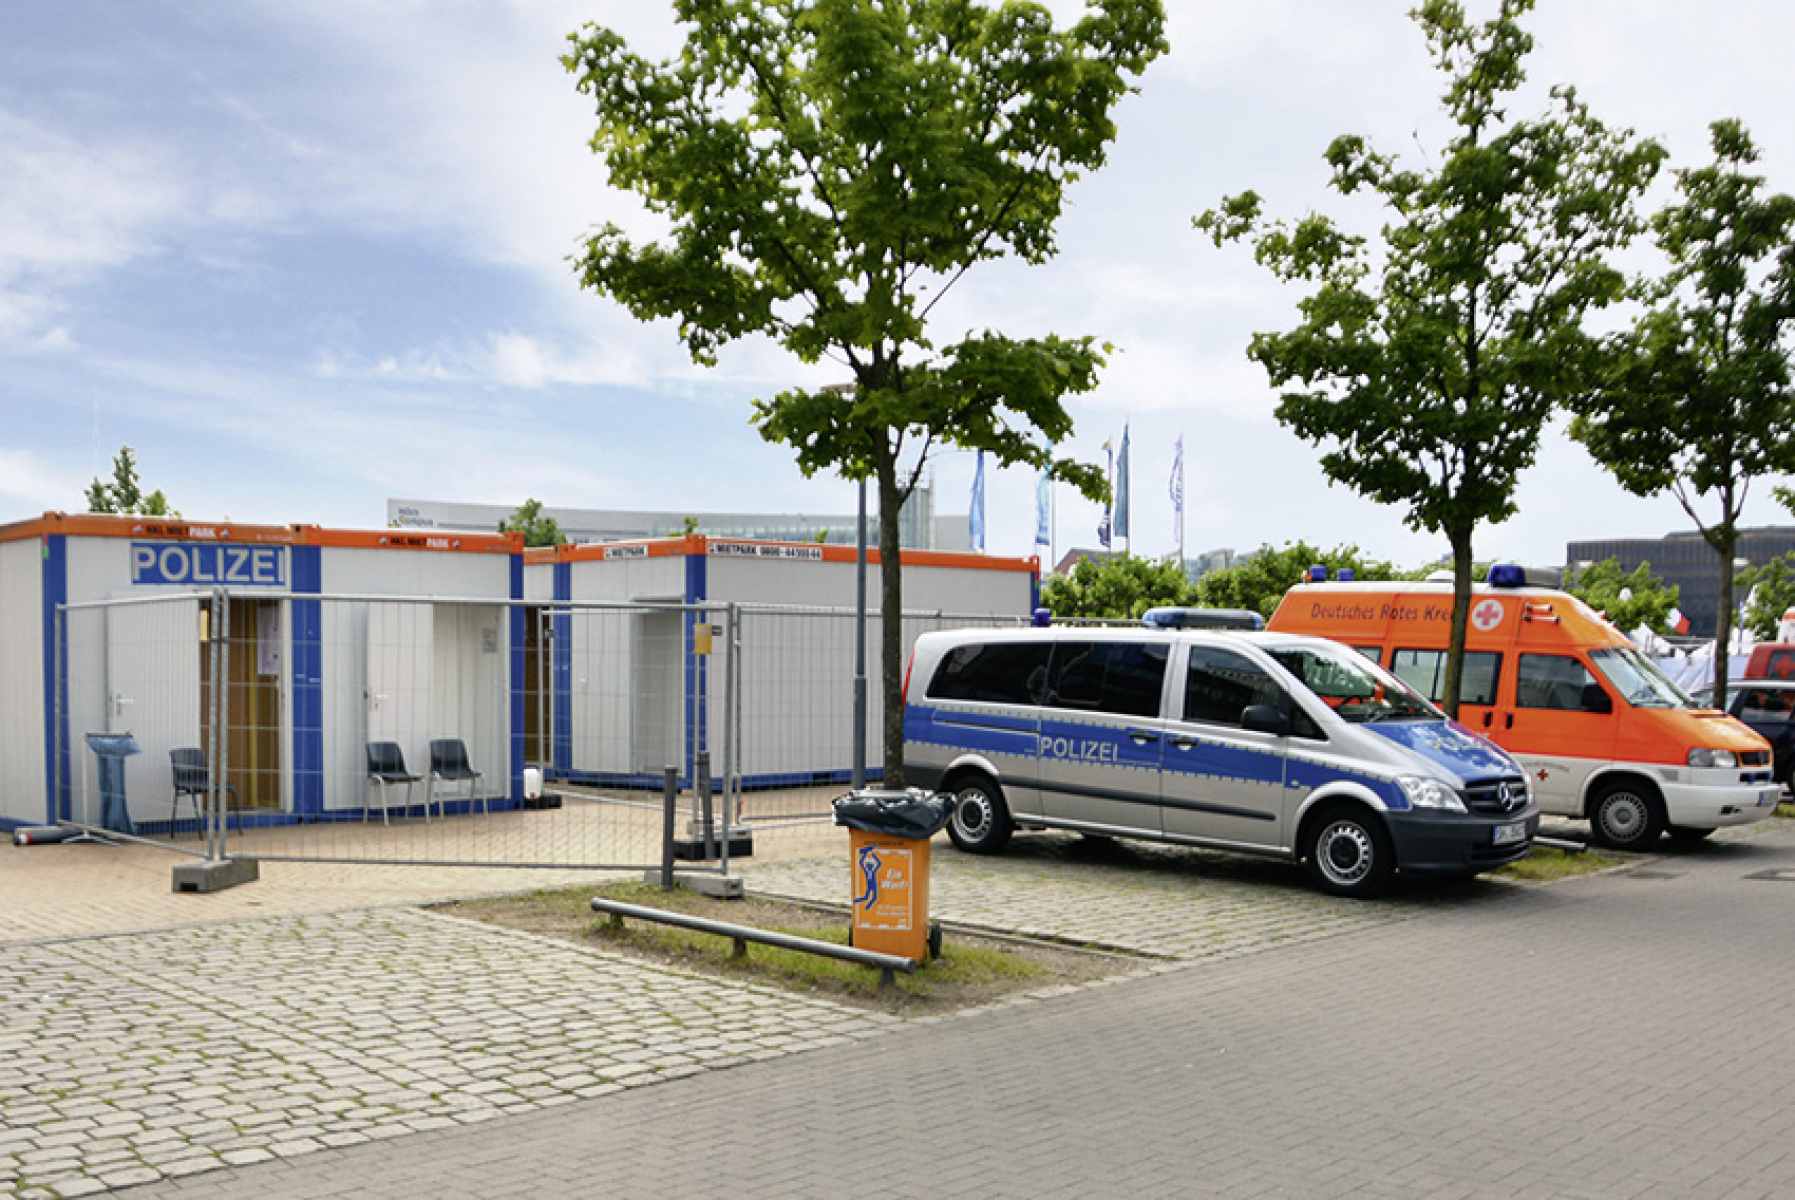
743 934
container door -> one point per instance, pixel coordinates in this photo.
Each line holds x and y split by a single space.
401 647
1224 783
661 702
153 653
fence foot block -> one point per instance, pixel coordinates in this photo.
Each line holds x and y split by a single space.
215 874
741 845
723 887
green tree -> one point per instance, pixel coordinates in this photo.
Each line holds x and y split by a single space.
1696 398
1119 588
828 170
1630 600
1430 366
125 494
1259 582
537 529
1771 593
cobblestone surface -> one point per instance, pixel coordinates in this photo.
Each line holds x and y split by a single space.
133 1058
1163 901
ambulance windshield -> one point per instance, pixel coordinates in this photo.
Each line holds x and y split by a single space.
1353 686
1638 679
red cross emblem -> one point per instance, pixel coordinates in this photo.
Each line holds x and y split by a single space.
1487 616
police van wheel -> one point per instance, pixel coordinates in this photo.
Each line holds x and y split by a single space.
980 823
1626 816
1349 853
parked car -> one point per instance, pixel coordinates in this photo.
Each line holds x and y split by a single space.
1768 706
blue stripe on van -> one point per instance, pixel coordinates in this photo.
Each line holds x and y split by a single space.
997 734
987 733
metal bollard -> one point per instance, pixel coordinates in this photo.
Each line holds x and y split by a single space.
669 801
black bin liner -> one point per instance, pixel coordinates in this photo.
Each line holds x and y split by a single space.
914 813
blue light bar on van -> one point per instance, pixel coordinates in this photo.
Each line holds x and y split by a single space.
1318 574
1512 575
1346 575
1202 618
1507 575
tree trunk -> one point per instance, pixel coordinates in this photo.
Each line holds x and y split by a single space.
1723 620
1460 540
891 623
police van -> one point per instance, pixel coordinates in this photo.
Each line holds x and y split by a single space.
1289 746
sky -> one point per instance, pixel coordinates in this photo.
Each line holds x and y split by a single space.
307 258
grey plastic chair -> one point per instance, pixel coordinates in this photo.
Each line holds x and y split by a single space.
449 764
193 779
386 767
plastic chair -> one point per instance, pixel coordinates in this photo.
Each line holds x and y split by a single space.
386 766
193 779
448 764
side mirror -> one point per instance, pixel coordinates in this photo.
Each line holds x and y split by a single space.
1263 718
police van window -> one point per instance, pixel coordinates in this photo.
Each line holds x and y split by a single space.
1112 677
1425 671
1220 684
1553 681
994 672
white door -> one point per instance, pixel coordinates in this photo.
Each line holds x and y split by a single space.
401 648
153 693
659 712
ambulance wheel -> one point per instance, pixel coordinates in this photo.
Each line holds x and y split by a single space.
1348 853
980 822
1625 815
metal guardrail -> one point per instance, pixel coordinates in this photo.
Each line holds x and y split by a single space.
743 934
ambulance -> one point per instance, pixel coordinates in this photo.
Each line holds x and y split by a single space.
1605 735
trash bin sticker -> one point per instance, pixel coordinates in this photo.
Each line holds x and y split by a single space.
884 900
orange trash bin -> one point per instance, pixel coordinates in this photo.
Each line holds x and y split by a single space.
890 878
888 839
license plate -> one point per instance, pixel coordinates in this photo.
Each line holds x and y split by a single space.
1506 834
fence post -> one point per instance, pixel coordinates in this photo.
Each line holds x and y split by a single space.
218 751
702 768
669 800
732 726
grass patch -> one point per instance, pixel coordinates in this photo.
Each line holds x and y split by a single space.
971 971
1548 862
1785 809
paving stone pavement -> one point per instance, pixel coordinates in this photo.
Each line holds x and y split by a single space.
1606 1036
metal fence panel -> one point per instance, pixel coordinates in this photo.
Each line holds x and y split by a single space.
282 698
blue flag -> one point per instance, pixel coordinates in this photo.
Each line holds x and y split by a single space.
1044 505
1109 472
1121 526
978 505
1176 490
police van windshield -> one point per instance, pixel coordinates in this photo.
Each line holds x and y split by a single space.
1638 679
1353 686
